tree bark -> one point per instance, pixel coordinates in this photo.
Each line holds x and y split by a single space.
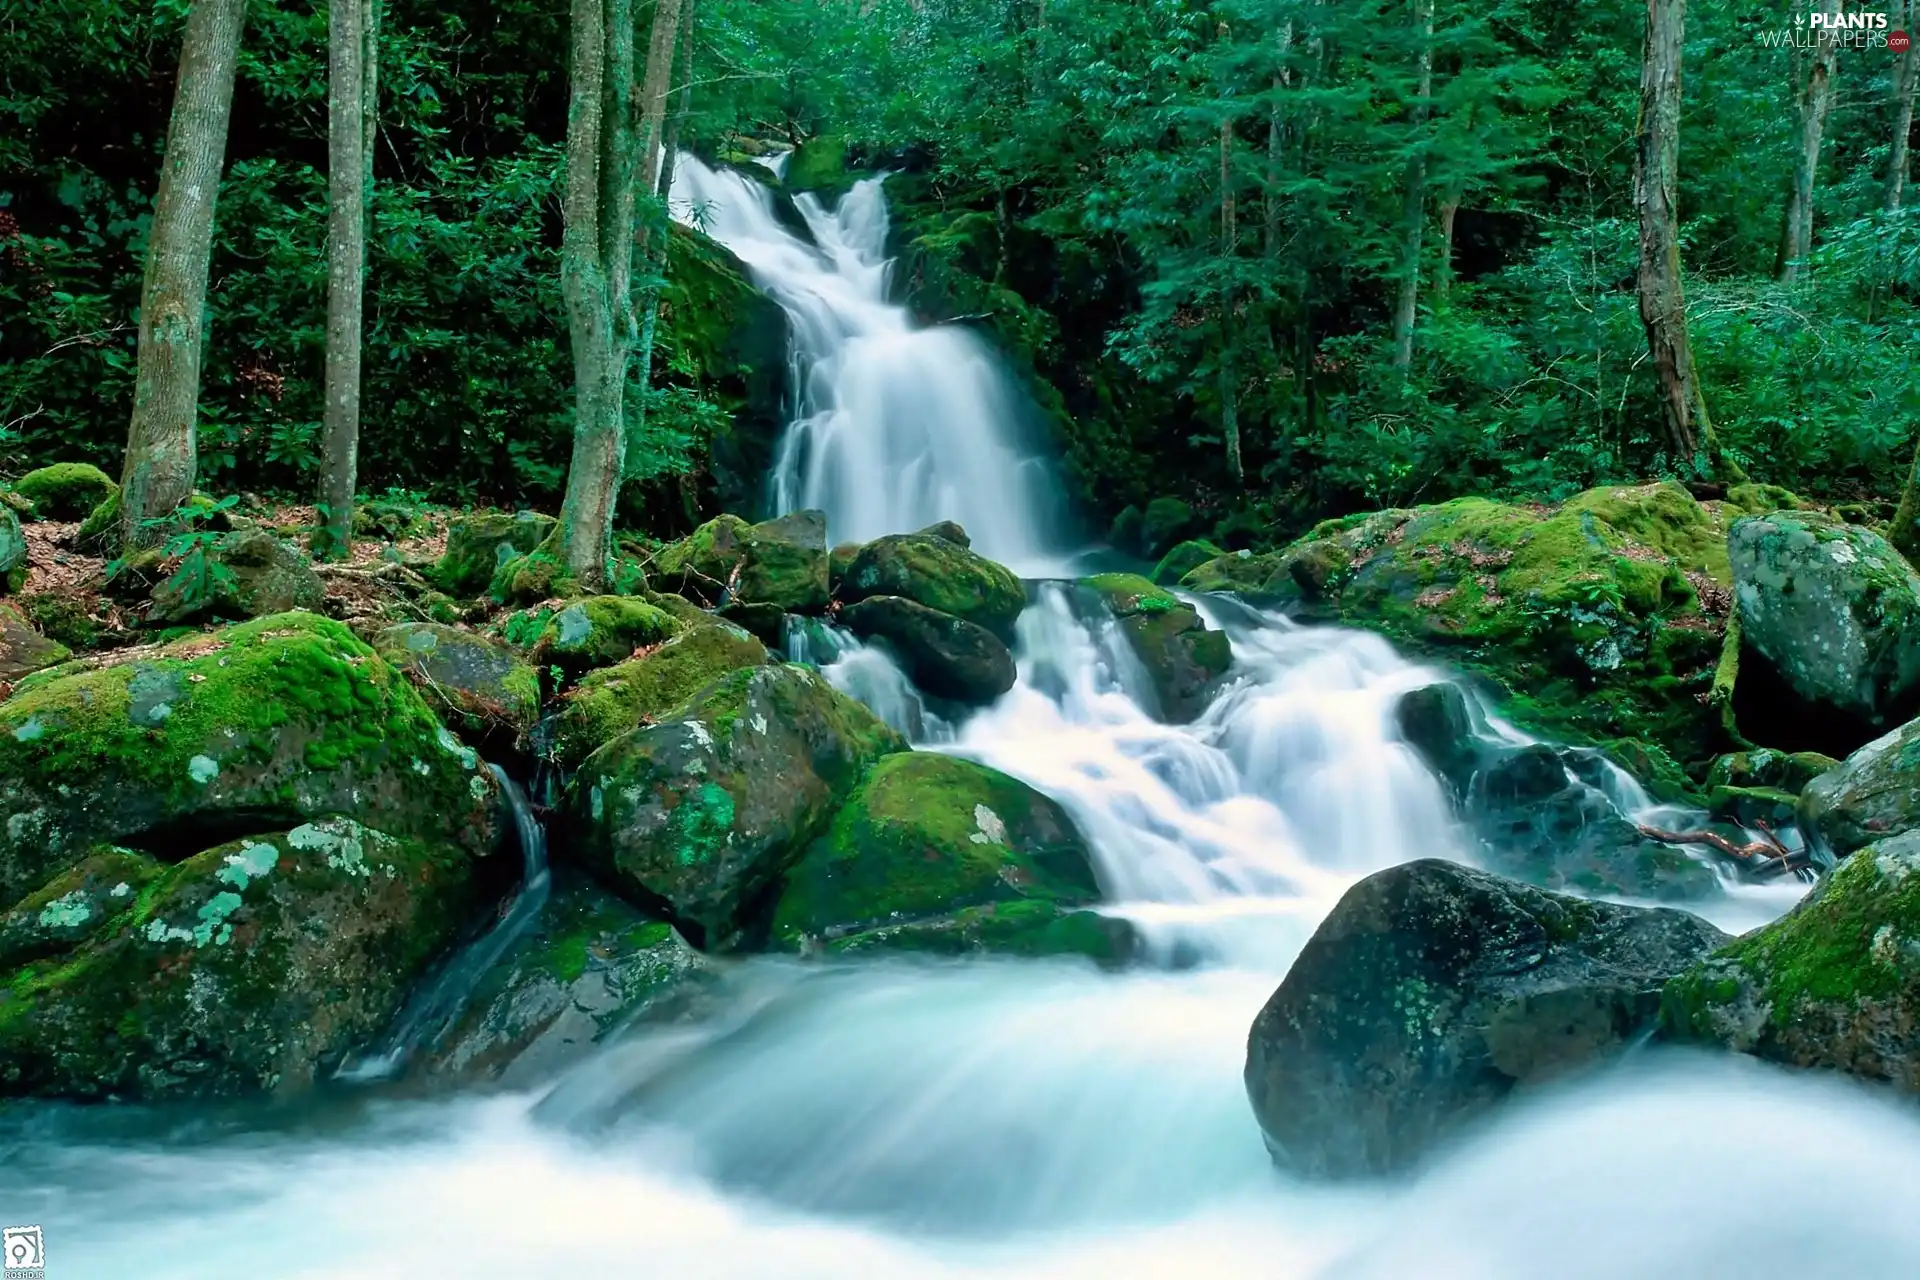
1443 263
657 86
1902 123
655 264
1414 206
1906 517
1796 237
161 460
1229 248
1663 308
353 64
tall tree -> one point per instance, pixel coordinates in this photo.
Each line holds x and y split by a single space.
1902 118
1229 250
162 459
1414 201
353 41
1663 307
1796 235
655 240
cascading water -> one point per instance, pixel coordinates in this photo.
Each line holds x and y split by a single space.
946 1120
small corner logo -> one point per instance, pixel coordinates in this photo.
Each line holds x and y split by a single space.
1897 41
25 1253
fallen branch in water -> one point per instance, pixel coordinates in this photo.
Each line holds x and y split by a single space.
1770 851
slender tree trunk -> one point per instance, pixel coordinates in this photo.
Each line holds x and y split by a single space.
657 86
1902 123
1663 308
1906 517
162 457
1443 264
1414 208
1276 153
353 64
1229 249
596 263
655 266
1796 238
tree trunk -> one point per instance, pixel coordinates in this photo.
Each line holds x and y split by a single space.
1414 207
1796 237
657 86
1663 308
1443 264
1906 517
1276 153
1229 247
596 265
655 264
161 457
353 64
1902 124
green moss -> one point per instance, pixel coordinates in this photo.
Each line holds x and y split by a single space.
618 699
66 490
1183 559
480 545
939 574
601 630
819 165
1129 593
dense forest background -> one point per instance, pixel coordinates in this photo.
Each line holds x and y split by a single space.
1194 228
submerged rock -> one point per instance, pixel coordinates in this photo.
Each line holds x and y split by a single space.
946 656
1835 983
781 562
630 695
254 966
701 815
1434 991
1183 657
934 853
479 545
1872 794
941 574
246 574
475 681
600 631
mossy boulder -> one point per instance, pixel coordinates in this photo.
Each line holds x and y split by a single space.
700 816
479 545
13 552
1182 656
777 562
600 631
1873 794
260 726
66 490
819 165
1604 615
23 648
1431 993
940 574
255 966
630 695
1165 522
946 656
590 966
1760 767
390 521
245 574
934 853
1835 983
476 683
74 905
1437 722
1184 559
1834 612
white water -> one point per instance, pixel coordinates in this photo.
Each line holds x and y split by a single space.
960 1121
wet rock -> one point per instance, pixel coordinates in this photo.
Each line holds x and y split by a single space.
66 490
950 530
946 656
934 853
251 967
617 700
839 563
699 816
1438 724
23 648
478 546
260 726
1833 984
477 683
940 574
1433 992
74 905
600 631
1873 794
1182 560
246 574
1779 770
1182 656
780 562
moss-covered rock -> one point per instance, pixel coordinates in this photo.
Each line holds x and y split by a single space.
1165 522
1834 611
701 815
66 490
251 967
74 905
98 528
946 656
477 683
1780 770
940 574
246 574
23 648
1873 794
839 563
266 724
777 562
934 853
13 552
600 631
390 521
617 700
1605 614
1184 559
537 575
1182 656
819 165
480 544
1835 983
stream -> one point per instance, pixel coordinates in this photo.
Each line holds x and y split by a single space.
919 1120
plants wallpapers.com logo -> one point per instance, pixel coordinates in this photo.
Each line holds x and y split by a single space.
1837 30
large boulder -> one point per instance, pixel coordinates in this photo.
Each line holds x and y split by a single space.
1182 656
479 545
1835 983
1872 794
476 682
1184 559
1834 611
948 657
780 562
617 700
934 853
939 573
13 552
23 648
245 574
254 966
260 726
699 816
66 490
600 631
1604 616
1434 991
